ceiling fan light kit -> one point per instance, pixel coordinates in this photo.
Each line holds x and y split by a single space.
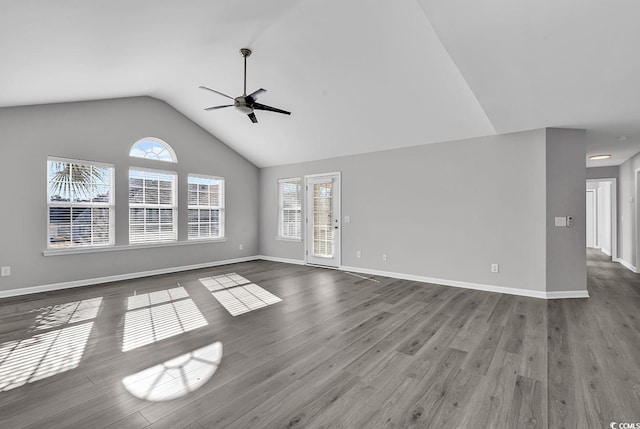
246 103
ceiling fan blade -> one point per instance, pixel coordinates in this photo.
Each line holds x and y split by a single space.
259 106
255 94
253 118
217 92
219 107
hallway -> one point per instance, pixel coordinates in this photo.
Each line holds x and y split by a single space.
594 350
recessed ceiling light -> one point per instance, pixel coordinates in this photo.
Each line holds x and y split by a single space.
596 157
622 138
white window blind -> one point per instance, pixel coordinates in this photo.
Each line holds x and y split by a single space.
152 206
206 207
79 203
290 209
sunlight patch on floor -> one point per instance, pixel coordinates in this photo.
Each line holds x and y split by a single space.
175 377
157 297
224 281
59 348
159 315
237 294
43 355
67 313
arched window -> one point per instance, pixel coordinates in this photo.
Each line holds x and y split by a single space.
153 148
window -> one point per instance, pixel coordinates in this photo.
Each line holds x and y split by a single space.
80 203
206 207
152 206
153 148
290 209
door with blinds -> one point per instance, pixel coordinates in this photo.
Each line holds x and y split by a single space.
322 215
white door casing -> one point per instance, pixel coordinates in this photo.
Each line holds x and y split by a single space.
322 220
591 218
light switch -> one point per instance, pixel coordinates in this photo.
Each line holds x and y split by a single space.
561 221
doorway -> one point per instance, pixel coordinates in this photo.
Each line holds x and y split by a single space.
601 208
322 209
592 224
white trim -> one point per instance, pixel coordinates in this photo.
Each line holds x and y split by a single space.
614 213
220 207
466 285
594 217
333 173
111 205
474 286
294 240
80 161
167 146
299 181
605 251
338 216
78 250
159 206
627 265
636 177
119 277
564 294
284 260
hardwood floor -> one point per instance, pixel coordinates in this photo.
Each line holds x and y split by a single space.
339 351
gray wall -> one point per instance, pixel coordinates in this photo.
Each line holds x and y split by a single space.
627 211
566 176
445 211
104 131
602 172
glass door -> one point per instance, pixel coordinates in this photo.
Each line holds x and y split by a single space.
323 220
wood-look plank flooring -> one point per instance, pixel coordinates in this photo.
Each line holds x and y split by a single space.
339 351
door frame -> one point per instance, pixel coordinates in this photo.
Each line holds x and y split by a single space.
636 196
614 214
306 212
594 216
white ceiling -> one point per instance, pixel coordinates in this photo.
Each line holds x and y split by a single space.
359 75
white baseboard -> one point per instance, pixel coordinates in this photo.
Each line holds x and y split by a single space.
605 251
474 286
467 285
567 294
627 265
285 260
128 276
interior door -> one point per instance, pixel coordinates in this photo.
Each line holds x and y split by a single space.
322 216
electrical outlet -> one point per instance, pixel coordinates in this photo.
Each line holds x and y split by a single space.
494 268
241 246
384 257
358 254
5 271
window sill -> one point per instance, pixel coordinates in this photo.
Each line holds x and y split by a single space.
75 251
295 240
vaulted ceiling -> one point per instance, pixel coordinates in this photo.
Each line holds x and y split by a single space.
358 75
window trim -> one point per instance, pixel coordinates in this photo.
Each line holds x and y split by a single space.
221 207
167 146
111 206
174 206
123 247
279 235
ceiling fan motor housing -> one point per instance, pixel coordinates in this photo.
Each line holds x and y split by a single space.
243 104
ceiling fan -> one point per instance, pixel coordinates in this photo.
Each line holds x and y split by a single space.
246 103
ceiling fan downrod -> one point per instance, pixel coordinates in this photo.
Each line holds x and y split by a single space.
245 52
